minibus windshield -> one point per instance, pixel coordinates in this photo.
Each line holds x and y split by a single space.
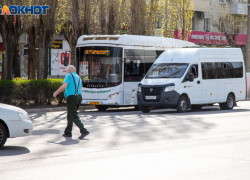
167 70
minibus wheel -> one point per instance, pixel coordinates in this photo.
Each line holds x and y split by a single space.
144 109
196 107
182 104
101 108
3 135
229 104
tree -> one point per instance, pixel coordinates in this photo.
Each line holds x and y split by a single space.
31 52
229 24
45 27
11 30
183 14
138 12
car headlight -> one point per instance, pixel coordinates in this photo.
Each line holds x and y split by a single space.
23 116
169 88
139 88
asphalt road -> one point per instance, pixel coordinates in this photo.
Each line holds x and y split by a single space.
124 144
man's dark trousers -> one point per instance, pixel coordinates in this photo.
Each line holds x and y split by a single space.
73 103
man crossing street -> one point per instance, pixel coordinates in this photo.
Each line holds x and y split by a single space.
72 85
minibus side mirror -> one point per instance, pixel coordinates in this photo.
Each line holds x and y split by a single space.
191 77
66 61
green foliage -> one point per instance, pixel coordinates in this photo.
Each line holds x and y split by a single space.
21 91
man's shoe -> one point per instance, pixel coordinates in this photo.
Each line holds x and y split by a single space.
67 135
83 135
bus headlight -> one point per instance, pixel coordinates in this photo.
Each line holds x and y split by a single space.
114 95
169 88
23 116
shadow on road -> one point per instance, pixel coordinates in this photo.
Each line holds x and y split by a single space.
42 132
13 151
68 141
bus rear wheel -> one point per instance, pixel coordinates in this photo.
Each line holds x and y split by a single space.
144 109
101 108
229 104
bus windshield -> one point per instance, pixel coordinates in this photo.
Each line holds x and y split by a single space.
99 66
167 70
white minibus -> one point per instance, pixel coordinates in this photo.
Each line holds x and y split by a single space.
111 66
193 77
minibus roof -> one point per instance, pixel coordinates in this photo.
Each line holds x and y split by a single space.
186 55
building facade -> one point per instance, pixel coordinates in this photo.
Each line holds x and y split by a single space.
213 18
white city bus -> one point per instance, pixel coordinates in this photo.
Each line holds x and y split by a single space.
111 66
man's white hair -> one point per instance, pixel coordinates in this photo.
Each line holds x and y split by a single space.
72 68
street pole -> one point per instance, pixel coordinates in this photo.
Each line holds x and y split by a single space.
248 40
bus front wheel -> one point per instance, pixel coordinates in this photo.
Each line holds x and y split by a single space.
101 108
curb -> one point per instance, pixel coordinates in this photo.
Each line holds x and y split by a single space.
56 109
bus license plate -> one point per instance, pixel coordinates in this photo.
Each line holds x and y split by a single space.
94 103
151 97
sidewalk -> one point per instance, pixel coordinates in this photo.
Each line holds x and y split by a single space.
54 109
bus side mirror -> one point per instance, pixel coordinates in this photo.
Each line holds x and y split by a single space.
191 77
66 61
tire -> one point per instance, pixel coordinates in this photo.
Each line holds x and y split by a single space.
144 109
3 135
101 108
137 108
182 104
196 107
229 104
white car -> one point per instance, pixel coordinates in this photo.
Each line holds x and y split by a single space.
14 122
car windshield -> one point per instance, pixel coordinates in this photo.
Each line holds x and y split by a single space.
167 70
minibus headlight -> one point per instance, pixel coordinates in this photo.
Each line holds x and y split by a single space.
23 116
139 88
169 88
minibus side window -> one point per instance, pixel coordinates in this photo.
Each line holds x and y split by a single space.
222 70
193 69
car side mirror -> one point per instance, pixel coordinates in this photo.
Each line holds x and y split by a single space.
191 77
66 61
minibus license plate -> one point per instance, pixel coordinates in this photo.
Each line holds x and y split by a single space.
151 97
94 103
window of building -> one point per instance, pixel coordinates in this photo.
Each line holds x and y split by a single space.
243 1
193 24
206 25
222 1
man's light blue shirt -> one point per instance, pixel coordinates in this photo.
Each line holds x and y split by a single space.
70 89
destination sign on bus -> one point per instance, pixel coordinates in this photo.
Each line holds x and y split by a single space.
97 51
